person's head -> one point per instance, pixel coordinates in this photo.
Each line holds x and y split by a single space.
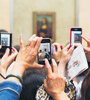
85 89
44 20
32 81
3 30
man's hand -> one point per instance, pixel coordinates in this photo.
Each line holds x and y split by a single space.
27 55
54 84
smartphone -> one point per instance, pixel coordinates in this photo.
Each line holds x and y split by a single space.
5 42
75 36
44 51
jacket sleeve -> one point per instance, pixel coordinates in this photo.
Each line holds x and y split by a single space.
10 90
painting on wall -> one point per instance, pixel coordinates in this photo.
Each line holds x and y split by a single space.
44 24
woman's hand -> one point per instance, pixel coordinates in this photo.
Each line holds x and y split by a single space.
66 54
65 57
6 60
87 48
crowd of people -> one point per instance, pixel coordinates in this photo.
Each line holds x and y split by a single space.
25 78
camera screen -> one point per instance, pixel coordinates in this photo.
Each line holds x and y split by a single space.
76 37
5 39
44 52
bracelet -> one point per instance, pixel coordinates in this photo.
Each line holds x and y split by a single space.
12 75
2 76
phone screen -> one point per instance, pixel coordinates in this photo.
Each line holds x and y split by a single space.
76 36
5 39
44 52
5 42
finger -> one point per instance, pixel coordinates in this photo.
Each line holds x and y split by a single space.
55 43
45 84
14 50
87 49
34 41
54 50
36 65
38 43
54 66
85 38
6 53
70 51
48 67
11 59
21 42
58 48
67 47
32 37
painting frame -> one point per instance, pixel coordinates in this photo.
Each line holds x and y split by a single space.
50 15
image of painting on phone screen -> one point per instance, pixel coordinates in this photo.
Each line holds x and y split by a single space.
44 52
76 37
5 39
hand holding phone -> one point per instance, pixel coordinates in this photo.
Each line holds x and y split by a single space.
75 36
44 51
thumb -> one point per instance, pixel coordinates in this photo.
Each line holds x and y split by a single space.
45 84
36 65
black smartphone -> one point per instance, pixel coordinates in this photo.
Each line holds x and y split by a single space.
5 42
75 36
44 51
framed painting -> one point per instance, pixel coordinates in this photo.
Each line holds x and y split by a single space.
44 24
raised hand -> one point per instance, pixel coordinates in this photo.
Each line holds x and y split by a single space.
87 48
6 60
27 55
54 84
65 57
56 53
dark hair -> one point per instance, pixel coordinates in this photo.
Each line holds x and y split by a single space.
17 47
85 89
89 64
32 81
3 30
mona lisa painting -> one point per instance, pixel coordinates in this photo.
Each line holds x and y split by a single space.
44 24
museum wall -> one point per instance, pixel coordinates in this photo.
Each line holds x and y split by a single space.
23 17
5 14
84 17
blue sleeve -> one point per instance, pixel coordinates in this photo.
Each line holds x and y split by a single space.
10 90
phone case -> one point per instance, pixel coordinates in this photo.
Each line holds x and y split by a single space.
45 40
6 41
71 33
